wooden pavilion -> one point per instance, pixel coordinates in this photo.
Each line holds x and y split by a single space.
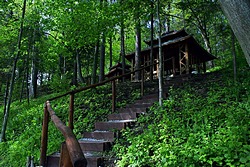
116 70
181 55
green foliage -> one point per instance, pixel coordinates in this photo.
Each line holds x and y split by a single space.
203 124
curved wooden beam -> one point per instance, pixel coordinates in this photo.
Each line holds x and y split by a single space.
74 149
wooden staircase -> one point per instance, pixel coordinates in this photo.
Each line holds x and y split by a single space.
99 141
94 143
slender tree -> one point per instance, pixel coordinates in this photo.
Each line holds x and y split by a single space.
151 39
137 41
93 78
102 58
234 56
6 115
160 65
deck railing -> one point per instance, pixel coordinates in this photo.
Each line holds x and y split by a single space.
74 151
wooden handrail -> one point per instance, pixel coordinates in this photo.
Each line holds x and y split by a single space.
74 149
103 82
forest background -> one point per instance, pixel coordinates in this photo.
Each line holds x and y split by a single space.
54 46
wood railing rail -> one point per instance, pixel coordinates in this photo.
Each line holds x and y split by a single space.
74 149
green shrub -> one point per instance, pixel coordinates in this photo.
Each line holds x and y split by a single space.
194 127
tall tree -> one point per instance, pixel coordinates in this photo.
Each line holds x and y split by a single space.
96 53
137 41
160 65
238 14
122 35
102 52
13 75
151 39
102 58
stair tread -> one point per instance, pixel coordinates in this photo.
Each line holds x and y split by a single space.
92 140
117 121
87 154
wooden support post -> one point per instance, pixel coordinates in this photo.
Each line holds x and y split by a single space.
71 111
132 69
204 67
180 60
113 96
142 82
44 140
173 62
65 158
187 58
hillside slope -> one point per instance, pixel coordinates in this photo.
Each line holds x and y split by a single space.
205 123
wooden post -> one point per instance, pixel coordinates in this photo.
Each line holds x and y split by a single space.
204 67
173 62
180 60
65 158
142 82
113 96
132 69
44 140
187 58
71 111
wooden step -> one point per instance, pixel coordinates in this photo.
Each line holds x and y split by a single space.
89 144
132 110
104 135
121 116
150 100
53 160
139 105
114 125
93 160
150 96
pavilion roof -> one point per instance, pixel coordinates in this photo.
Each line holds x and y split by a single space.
172 40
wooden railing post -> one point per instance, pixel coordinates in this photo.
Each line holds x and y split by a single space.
142 82
44 140
113 96
71 111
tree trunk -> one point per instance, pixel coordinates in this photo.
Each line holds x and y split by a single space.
151 39
34 69
27 80
34 73
234 57
123 50
110 52
207 44
138 48
122 53
102 59
23 81
93 80
238 15
168 24
79 66
160 74
6 115
6 95
75 82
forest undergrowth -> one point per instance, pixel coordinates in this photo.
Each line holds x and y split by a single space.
203 124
